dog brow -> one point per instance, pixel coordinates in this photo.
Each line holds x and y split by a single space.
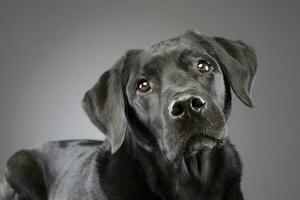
184 53
151 67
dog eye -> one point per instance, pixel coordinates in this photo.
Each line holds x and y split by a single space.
203 66
143 86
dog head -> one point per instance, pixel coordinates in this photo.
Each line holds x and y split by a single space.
173 96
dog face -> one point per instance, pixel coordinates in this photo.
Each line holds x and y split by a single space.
177 92
174 96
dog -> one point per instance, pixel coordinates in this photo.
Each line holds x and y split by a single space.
164 111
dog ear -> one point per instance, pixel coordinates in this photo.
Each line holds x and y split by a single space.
238 63
104 105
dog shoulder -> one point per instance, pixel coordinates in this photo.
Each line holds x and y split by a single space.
72 152
29 172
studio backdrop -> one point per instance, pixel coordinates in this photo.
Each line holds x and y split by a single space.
51 52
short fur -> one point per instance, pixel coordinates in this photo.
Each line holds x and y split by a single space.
148 154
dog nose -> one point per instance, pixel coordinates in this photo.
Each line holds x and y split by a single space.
185 103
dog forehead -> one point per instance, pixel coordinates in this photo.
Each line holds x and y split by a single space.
167 51
152 59
180 43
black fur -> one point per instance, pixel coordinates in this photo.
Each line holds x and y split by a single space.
149 154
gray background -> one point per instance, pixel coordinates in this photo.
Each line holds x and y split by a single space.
51 52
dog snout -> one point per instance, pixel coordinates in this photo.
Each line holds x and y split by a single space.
186 103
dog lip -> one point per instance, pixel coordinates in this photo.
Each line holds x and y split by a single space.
215 139
204 141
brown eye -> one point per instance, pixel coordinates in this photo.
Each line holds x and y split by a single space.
203 66
144 86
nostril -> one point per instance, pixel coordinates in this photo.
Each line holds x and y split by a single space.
177 110
197 103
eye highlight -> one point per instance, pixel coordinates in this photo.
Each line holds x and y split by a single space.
143 86
203 66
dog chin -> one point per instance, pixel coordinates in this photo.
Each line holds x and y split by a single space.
193 146
196 145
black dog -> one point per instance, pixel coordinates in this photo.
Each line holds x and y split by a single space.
164 111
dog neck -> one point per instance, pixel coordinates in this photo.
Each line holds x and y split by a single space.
188 178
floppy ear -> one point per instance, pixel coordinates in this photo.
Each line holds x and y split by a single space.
238 63
104 105
239 66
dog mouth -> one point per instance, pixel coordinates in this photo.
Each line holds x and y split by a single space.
203 142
